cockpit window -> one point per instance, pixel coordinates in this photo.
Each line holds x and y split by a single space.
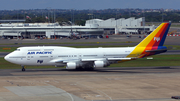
17 49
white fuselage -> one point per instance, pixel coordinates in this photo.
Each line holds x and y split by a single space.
59 56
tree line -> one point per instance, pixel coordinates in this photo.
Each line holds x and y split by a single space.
79 17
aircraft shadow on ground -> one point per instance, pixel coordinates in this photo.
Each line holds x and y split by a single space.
113 70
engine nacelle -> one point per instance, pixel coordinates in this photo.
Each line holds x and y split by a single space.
71 65
98 64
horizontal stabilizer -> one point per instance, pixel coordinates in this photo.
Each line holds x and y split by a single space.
158 50
111 59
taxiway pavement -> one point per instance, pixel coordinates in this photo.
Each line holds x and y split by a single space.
102 84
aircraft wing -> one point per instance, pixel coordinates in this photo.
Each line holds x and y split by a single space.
118 59
90 60
57 61
109 59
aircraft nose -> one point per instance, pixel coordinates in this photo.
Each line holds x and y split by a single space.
6 58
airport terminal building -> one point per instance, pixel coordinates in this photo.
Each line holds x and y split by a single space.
48 30
94 27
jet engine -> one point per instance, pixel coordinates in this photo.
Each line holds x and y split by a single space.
72 65
98 64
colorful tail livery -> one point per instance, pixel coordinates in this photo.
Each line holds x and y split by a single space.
152 44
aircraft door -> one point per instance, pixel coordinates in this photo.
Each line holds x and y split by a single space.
28 58
79 56
24 57
104 55
51 57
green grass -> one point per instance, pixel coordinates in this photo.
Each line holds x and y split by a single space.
158 60
10 49
174 47
65 43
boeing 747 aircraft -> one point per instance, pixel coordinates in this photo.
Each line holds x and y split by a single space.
74 58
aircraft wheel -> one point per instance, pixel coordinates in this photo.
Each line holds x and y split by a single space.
23 69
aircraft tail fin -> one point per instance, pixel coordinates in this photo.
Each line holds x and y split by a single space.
153 43
157 37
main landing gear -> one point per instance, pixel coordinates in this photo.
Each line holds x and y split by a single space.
23 68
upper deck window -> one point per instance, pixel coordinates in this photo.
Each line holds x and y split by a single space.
34 50
48 49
